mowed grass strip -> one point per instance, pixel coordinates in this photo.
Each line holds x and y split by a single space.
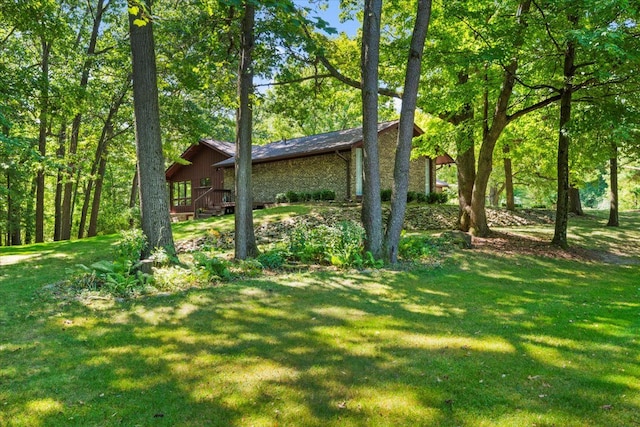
486 339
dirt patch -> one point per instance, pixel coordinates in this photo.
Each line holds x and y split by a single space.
508 243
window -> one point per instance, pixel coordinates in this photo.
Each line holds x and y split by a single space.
205 182
182 193
358 171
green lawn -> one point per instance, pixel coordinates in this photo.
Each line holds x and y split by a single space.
486 339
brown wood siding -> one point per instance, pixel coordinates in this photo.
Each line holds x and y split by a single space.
201 167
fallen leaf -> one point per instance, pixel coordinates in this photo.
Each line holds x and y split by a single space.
342 405
607 407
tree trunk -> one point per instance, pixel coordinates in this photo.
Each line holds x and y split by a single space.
508 178
62 140
465 161
500 119
369 59
575 207
97 196
29 227
105 137
156 222
614 220
405 132
562 206
133 196
42 139
69 187
245 240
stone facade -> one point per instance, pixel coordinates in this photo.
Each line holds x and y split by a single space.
329 172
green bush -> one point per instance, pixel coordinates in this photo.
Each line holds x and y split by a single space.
415 248
216 268
281 198
412 196
122 276
439 198
292 196
385 195
341 245
273 259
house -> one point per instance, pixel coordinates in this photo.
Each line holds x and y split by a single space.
193 183
328 161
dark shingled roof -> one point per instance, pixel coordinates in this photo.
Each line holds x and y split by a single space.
308 145
227 148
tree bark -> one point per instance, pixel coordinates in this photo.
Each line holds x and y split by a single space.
42 139
614 220
508 178
369 59
62 141
156 222
245 240
69 188
405 132
564 139
575 206
97 196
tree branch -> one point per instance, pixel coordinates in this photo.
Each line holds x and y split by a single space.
533 107
352 82
546 24
300 80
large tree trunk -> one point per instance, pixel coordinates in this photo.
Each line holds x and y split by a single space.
405 132
614 220
562 206
70 189
245 240
42 139
156 222
369 59
508 178
465 161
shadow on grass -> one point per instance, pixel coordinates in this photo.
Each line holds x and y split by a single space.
476 344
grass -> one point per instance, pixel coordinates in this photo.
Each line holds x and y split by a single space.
487 339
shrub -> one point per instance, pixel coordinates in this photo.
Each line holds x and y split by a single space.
273 259
341 245
439 198
215 268
385 195
281 198
121 276
415 248
327 195
412 196
292 196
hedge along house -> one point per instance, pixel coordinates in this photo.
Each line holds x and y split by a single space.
193 183
329 161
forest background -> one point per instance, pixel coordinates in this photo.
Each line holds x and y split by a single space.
491 90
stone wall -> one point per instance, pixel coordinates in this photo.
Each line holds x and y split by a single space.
306 174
